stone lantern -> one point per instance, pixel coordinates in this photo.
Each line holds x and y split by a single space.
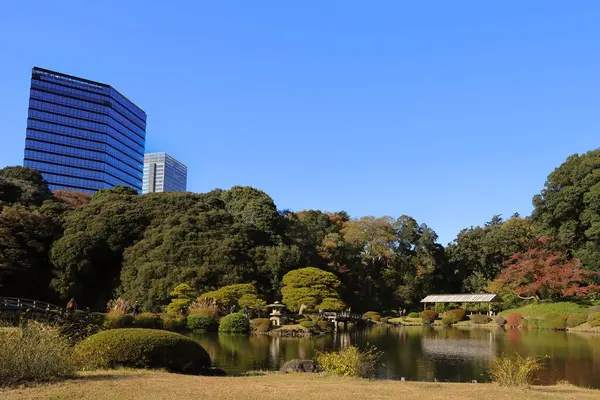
275 315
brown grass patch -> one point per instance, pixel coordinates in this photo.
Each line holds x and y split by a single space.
128 384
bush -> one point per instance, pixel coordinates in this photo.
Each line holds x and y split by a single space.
530 323
350 361
234 323
413 315
479 319
174 323
576 320
205 307
308 324
514 371
149 321
260 325
390 314
116 320
325 326
201 323
143 348
428 316
448 320
592 310
499 321
372 315
34 353
384 320
594 319
456 315
558 323
513 320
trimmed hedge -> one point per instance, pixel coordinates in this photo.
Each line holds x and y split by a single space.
174 323
576 320
149 321
513 320
448 320
499 321
594 319
260 325
234 323
372 315
428 316
143 348
308 324
413 315
479 319
325 326
456 315
115 321
558 323
201 323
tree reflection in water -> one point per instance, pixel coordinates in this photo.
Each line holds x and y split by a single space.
422 353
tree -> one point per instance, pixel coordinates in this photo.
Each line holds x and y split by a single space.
182 297
309 286
568 208
542 273
242 295
24 186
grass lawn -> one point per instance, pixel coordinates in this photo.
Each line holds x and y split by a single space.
128 384
406 321
542 309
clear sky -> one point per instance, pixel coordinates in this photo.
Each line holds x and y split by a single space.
448 111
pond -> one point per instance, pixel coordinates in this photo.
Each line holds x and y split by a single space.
422 353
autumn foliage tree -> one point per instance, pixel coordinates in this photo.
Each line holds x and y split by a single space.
541 273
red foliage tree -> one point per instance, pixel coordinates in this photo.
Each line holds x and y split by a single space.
544 274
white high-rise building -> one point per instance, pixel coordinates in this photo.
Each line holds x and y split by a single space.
163 173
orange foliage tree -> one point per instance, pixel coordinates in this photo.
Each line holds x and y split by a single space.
541 273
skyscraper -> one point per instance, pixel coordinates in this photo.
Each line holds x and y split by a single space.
83 135
163 173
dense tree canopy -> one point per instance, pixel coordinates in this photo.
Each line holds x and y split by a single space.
568 208
119 243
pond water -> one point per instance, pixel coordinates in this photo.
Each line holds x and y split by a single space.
422 353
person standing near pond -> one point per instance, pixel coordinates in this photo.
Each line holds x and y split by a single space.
136 309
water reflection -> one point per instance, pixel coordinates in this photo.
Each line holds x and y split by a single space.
445 354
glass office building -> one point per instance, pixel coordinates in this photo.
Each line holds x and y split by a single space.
83 135
163 173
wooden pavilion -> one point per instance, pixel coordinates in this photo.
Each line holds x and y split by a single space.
463 299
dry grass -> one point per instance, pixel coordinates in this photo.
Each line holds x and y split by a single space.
514 371
116 385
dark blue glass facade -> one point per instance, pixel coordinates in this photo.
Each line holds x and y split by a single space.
83 135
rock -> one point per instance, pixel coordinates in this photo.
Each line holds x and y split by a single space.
300 366
213 371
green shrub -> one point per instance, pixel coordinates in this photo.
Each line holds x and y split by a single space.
325 326
372 315
499 321
202 323
513 320
234 323
594 319
390 314
143 348
174 323
115 320
384 320
541 309
413 315
350 361
558 323
428 316
479 319
308 324
34 353
149 321
576 320
514 371
260 325
447 321
592 310
456 315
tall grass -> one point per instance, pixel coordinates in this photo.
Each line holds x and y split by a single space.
205 307
34 353
515 371
350 361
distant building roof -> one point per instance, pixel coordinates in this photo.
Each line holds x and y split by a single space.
461 298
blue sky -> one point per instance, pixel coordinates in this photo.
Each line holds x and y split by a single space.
449 112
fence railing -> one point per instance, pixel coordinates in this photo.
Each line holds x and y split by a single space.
17 304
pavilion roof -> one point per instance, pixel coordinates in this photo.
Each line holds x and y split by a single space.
461 298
